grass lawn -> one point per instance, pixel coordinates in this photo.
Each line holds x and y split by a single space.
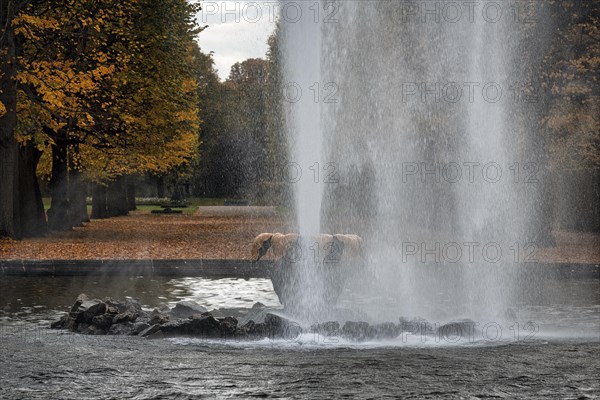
187 210
193 204
48 200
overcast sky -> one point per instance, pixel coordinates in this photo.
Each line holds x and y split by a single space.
237 30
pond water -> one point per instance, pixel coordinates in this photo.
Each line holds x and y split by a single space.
560 359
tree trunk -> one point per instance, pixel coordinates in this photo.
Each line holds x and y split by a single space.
130 191
77 199
99 209
77 191
59 217
160 186
116 198
33 218
10 206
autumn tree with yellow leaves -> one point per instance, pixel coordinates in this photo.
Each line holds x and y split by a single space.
105 88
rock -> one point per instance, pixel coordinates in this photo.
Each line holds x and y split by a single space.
120 307
158 318
121 329
185 309
143 316
109 316
65 322
163 308
237 313
257 315
328 329
89 329
276 325
103 321
89 309
126 316
150 330
80 299
112 310
228 327
131 304
133 308
177 328
244 330
156 335
113 306
206 326
139 327
416 326
387 330
111 302
358 330
60 323
82 327
253 330
455 331
219 314
94 307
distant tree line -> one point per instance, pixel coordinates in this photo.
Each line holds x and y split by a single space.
561 59
243 148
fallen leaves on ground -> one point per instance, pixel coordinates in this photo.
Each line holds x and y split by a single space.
141 235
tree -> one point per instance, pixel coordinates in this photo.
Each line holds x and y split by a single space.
275 186
90 80
209 168
69 54
21 212
157 105
9 177
235 136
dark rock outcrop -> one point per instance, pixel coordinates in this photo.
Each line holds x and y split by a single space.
464 329
359 331
113 317
185 309
103 321
228 327
158 317
126 328
139 327
276 325
101 317
387 330
150 330
327 329
189 319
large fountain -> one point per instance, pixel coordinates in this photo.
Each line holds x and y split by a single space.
406 128
402 125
